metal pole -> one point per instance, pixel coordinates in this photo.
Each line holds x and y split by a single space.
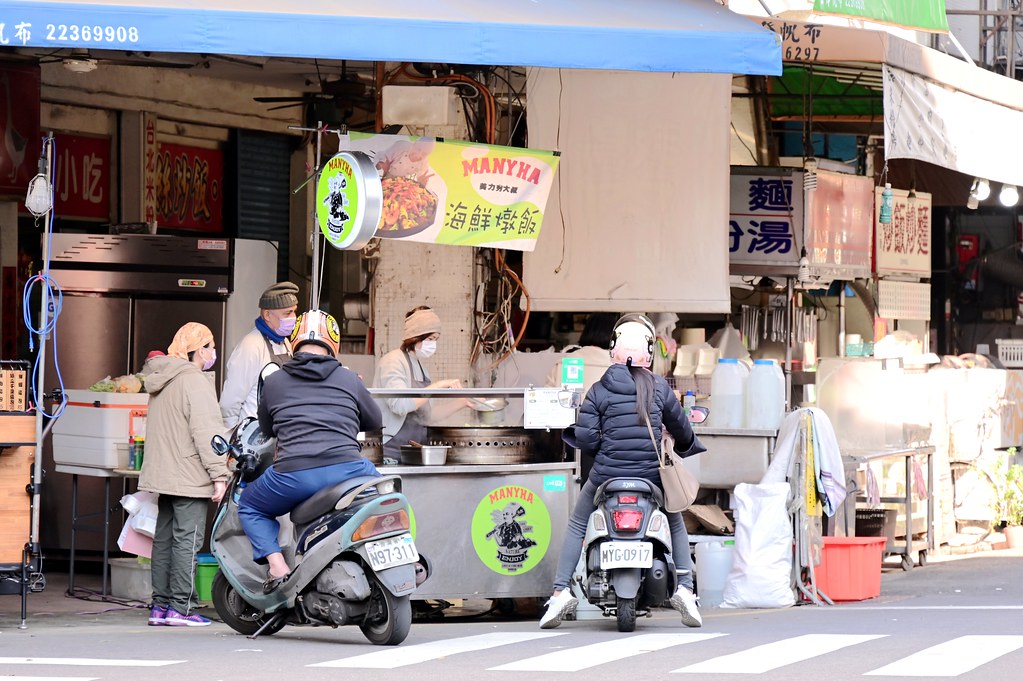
44 317
790 293
314 288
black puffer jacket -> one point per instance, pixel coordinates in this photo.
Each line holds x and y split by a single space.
609 427
316 408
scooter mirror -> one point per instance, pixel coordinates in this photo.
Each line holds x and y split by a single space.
698 414
220 445
570 399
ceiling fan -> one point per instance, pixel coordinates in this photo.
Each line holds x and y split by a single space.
346 92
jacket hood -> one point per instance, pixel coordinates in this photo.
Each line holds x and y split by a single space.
618 379
306 365
164 370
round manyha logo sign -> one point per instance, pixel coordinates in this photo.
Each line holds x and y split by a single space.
349 200
511 530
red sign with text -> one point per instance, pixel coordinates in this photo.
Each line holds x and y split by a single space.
189 188
82 177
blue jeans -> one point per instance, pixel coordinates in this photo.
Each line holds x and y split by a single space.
573 544
274 494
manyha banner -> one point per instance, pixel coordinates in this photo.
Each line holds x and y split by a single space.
923 15
459 193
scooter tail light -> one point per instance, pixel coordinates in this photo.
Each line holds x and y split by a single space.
655 523
599 524
376 525
626 521
630 499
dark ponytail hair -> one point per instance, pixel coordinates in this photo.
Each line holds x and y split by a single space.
645 389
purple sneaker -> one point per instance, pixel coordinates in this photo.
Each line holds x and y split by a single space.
173 618
157 616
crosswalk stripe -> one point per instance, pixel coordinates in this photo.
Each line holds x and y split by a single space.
764 658
952 658
424 652
584 657
87 662
50 678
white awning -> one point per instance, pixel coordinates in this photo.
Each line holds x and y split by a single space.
937 108
639 35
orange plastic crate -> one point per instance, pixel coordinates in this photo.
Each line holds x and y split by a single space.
850 568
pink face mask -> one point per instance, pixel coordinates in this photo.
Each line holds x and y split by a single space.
208 364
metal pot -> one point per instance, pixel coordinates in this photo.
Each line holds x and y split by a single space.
489 411
424 455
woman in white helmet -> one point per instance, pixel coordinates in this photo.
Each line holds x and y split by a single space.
612 426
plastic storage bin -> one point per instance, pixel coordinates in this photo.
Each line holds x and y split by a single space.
765 396
728 394
205 571
1010 352
850 568
131 579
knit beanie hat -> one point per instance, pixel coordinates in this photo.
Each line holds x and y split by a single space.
421 323
281 295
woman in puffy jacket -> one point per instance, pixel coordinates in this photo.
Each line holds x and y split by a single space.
612 425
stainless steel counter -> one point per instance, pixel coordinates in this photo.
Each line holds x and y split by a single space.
490 531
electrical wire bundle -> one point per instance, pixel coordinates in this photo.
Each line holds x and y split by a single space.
52 296
493 329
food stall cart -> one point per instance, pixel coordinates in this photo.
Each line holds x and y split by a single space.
491 519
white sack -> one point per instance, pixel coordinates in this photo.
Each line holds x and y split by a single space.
761 575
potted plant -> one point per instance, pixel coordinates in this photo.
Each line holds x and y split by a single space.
1009 503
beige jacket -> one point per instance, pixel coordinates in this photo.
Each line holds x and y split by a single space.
183 417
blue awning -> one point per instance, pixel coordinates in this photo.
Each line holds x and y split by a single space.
636 35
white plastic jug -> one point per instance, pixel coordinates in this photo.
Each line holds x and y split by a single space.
728 394
765 396
713 563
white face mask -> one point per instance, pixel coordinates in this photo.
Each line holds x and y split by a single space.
426 348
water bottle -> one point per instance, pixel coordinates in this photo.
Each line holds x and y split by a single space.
688 402
765 396
132 463
728 394
140 451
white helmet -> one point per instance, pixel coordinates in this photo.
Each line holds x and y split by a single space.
632 341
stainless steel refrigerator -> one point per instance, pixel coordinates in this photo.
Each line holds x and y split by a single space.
123 296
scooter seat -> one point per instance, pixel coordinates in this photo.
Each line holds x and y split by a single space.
324 501
641 485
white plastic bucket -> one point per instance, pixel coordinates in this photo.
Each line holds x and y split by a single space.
765 396
713 563
728 394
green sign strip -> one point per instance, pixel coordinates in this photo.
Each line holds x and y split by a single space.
925 15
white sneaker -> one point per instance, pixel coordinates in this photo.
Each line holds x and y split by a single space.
685 602
559 607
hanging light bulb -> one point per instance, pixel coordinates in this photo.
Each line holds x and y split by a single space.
972 202
803 274
983 189
1009 196
885 217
